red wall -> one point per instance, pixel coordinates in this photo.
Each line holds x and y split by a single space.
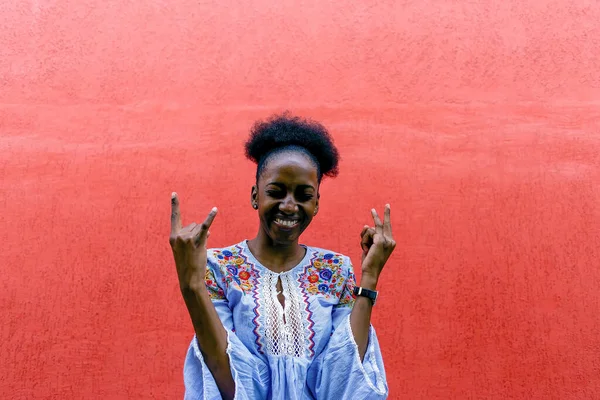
477 121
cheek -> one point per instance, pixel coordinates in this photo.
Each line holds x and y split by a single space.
309 215
266 211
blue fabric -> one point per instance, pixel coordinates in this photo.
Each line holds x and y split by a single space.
316 359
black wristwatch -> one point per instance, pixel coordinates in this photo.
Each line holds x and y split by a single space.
371 294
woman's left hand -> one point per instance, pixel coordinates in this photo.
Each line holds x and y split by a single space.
377 244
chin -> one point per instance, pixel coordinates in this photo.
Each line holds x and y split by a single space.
279 238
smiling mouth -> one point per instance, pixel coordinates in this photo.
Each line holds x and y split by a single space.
286 223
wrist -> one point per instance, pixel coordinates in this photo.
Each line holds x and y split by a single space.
191 287
368 281
193 295
196 302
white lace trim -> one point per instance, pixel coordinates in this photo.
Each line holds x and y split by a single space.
284 328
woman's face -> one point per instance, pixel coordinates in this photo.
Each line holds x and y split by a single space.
287 196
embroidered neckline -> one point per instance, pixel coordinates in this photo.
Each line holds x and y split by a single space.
321 273
285 328
257 264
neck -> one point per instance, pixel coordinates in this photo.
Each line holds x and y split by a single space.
278 257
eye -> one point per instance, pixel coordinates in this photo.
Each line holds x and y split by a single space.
275 193
305 197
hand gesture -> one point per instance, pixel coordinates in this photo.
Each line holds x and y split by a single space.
377 244
189 248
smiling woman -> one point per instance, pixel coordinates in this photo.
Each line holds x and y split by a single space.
286 197
275 318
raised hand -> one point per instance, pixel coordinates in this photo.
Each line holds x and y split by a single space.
377 244
189 247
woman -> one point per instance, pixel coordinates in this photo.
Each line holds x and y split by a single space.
273 318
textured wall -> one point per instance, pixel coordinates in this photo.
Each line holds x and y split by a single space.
477 120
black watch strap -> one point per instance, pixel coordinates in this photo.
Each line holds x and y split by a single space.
371 294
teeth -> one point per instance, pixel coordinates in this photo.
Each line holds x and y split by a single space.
285 222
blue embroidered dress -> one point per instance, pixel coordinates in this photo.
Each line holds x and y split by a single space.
305 351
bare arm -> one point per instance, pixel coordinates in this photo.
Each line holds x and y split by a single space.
189 250
360 318
377 244
212 339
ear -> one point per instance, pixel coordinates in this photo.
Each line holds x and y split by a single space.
254 197
317 204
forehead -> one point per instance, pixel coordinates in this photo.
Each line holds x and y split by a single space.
290 168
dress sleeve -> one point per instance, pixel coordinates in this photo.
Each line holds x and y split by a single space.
250 374
337 372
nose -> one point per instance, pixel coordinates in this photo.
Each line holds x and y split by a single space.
288 205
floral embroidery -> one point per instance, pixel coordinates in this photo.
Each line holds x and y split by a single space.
244 275
236 270
325 275
232 270
214 290
347 296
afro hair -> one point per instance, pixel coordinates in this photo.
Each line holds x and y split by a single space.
285 132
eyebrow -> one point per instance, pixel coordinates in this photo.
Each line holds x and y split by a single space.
282 185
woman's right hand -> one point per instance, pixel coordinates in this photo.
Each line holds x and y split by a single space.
189 248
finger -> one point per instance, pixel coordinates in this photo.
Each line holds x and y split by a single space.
202 233
362 233
175 214
196 235
378 224
387 222
367 239
187 230
368 233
